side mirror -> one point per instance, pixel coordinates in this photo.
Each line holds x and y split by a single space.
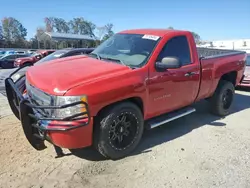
168 63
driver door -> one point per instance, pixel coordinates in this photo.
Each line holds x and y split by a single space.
174 88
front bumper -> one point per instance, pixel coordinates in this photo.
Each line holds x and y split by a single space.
71 132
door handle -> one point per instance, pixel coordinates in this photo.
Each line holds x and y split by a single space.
190 73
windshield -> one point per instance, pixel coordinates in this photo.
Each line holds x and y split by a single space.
23 55
35 54
8 56
128 49
248 60
55 55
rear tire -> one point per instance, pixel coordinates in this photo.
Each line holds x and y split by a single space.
119 130
222 98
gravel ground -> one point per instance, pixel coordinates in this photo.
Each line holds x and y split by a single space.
199 150
3 74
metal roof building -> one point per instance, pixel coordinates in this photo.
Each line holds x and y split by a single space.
68 36
67 39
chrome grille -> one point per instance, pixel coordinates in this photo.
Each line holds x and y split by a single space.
38 97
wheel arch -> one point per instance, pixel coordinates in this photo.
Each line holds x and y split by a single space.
230 77
135 100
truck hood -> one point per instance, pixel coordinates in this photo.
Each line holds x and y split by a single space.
58 76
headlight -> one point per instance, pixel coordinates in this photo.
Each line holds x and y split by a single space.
19 60
15 77
72 110
20 73
40 98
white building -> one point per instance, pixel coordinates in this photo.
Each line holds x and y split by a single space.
238 44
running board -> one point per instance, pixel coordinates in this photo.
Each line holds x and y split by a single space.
155 122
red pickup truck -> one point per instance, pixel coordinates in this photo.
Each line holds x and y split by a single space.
135 80
33 58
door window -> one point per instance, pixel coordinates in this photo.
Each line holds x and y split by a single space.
176 47
10 57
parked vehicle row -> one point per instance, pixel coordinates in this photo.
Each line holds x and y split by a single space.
7 61
17 58
30 60
135 80
2 53
8 52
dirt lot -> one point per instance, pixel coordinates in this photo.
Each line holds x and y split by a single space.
199 150
3 74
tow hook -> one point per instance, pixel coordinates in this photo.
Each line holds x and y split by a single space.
59 152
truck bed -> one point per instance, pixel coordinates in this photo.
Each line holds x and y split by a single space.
213 53
214 64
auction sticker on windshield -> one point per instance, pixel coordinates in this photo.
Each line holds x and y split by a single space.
150 37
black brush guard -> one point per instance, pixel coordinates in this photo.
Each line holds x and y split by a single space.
36 134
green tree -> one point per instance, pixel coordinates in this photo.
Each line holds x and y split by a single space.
1 37
106 31
74 25
1 32
89 28
14 32
58 24
197 38
6 30
48 24
82 26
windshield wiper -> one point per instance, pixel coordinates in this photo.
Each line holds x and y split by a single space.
108 58
98 56
112 59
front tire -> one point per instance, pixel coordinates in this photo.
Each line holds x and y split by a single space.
119 130
222 99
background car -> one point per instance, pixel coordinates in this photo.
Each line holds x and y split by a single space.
20 52
7 61
2 53
246 80
33 58
6 52
31 51
9 52
66 53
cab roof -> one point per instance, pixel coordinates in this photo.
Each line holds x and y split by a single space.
157 32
